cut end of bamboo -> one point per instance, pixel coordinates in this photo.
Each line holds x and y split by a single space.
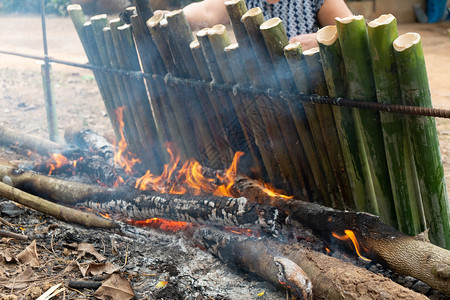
203 32
217 29
115 21
232 2
231 47
327 35
270 23
406 41
194 45
155 20
73 7
311 51
348 20
99 17
381 20
252 12
174 13
293 46
105 29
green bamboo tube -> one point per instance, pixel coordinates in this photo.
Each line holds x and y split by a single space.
328 125
200 105
213 105
336 80
50 107
218 37
308 125
158 94
415 91
354 43
78 19
140 104
186 141
382 32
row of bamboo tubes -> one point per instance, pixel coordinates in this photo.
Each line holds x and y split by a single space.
346 158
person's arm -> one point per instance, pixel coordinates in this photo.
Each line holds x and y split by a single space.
206 13
326 15
332 9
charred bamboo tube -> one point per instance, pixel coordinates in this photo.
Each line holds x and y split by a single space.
152 63
327 124
353 39
78 19
310 132
128 120
322 274
157 94
57 211
140 104
249 73
219 40
336 80
415 91
273 114
209 105
99 22
223 104
202 113
275 39
406 193
176 94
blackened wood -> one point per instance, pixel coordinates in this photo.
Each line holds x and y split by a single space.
213 210
86 139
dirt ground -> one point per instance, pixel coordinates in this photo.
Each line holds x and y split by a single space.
78 103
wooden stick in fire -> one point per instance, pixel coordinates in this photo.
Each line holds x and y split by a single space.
57 211
306 273
401 253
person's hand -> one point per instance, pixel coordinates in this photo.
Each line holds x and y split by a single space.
307 41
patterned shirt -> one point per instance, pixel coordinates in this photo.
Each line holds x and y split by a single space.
298 16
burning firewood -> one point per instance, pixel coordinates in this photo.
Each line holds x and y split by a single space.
377 241
330 277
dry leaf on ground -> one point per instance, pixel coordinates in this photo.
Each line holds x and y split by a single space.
29 255
22 280
115 287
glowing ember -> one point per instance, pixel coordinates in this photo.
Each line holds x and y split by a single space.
247 232
166 225
349 235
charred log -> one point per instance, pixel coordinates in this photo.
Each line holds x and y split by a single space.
399 252
330 278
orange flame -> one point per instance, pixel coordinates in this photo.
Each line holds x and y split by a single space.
59 160
122 157
349 235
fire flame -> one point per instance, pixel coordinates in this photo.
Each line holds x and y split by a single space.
349 235
122 157
166 225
